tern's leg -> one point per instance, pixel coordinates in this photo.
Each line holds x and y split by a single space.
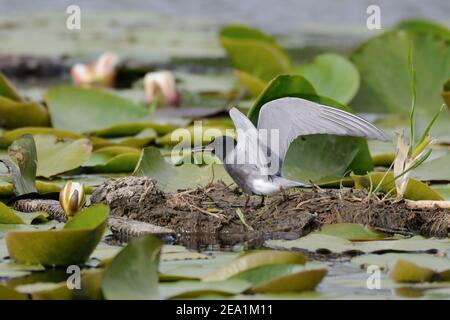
246 202
263 198
285 195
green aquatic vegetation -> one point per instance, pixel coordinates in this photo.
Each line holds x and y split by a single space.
73 244
257 59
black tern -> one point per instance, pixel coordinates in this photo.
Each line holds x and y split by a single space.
255 160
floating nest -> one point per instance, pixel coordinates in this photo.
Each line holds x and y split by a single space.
139 206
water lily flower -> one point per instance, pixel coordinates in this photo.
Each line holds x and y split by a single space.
72 198
161 82
102 72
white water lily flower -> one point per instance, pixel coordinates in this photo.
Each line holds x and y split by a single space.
102 72
72 198
161 82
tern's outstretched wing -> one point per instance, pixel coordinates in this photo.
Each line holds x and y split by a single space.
295 117
248 148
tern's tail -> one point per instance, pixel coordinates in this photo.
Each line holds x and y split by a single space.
285 183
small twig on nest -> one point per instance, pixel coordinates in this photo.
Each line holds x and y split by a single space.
427 204
309 200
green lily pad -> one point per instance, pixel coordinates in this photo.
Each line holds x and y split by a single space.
113 160
133 128
7 90
7 293
9 136
46 290
407 267
253 84
325 243
251 260
425 27
133 273
254 52
443 190
22 114
434 170
171 270
282 278
7 189
10 216
333 76
193 134
192 289
22 164
384 68
82 109
416 190
172 178
139 140
352 232
55 157
71 245
314 157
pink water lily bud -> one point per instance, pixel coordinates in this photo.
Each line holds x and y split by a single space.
161 82
102 72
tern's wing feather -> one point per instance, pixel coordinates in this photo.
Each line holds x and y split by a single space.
247 148
294 117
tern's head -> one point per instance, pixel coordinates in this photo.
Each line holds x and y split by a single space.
221 146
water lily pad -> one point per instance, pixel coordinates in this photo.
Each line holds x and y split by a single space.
6 188
133 128
10 216
55 157
22 114
352 231
139 140
253 84
254 52
333 76
133 273
434 170
195 134
325 243
71 245
251 260
408 267
282 278
102 161
82 110
46 291
9 136
172 178
416 190
7 293
383 65
22 164
7 90
192 289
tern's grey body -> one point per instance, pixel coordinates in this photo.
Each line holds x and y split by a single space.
290 117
